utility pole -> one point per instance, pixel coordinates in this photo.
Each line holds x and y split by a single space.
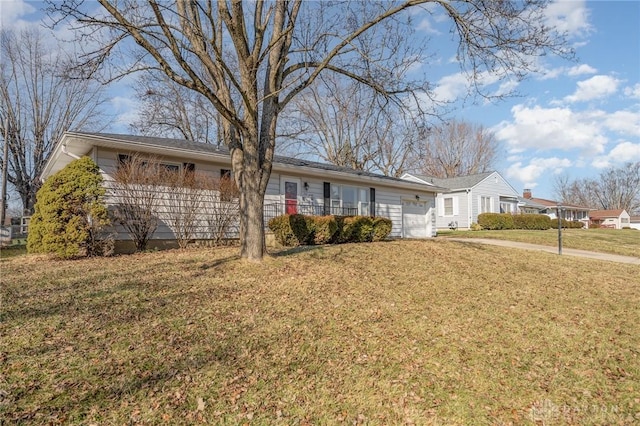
558 210
5 158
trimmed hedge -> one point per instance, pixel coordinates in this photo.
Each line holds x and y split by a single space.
295 230
381 228
567 224
324 228
497 221
290 229
494 221
531 221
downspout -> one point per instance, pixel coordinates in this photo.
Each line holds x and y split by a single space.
469 208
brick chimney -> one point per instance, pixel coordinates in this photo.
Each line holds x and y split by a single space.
526 193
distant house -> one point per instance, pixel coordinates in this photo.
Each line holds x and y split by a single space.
634 222
616 219
469 196
295 186
528 206
569 212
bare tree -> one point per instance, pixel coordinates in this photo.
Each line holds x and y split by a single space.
250 63
346 123
457 148
222 209
170 110
137 195
615 188
182 203
40 104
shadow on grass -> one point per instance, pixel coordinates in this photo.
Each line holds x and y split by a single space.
218 262
295 250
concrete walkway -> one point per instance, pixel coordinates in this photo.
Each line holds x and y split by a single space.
549 249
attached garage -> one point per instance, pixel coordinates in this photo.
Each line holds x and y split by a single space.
417 219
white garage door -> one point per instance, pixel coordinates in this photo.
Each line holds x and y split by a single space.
414 219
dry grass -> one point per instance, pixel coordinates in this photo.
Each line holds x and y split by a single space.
425 332
625 242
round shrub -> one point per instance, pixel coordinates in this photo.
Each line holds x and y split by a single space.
324 229
290 230
357 229
476 227
381 228
70 212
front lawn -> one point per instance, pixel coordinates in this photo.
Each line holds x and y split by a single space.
624 242
401 332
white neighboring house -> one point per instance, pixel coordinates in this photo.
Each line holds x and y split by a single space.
295 186
616 219
468 196
634 222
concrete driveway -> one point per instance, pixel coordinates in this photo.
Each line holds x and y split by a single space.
549 249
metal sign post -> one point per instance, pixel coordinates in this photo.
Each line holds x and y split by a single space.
558 209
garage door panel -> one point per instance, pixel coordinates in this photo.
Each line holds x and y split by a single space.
414 219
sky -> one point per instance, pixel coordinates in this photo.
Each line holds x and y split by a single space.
570 119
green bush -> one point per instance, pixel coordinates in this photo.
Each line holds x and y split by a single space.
70 213
324 229
357 229
295 230
566 224
494 221
476 227
381 228
291 230
364 230
531 221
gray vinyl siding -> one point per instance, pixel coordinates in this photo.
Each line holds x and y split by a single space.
462 216
107 161
388 199
493 186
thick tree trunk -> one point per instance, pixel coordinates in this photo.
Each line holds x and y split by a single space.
252 224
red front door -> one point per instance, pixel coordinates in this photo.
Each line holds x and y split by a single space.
291 197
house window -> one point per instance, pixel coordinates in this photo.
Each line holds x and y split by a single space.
624 219
505 207
485 204
448 206
350 200
124 159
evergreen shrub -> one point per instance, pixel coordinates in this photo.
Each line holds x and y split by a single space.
70 213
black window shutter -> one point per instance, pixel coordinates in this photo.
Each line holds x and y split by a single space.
189 167
327 198
372 202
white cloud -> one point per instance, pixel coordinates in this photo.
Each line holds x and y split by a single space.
633 91
621 153
580 70
543 129
427 26
547 74
597 87
455 86
625 122
11 12
571 17
537 168
451 87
